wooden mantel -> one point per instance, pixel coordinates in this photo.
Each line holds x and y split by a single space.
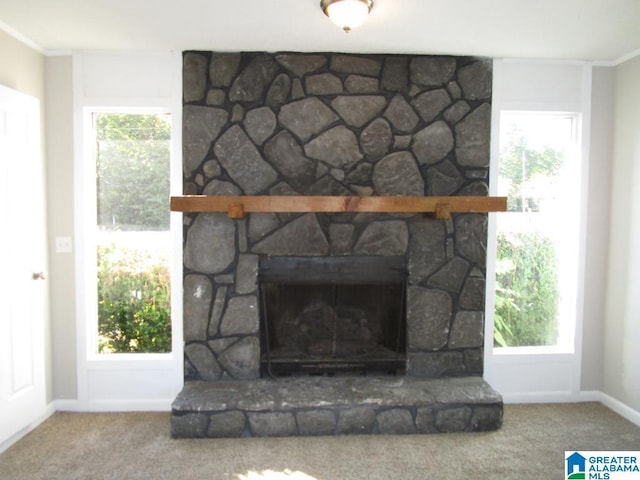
237 206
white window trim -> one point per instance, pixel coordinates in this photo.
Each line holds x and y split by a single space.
138 381
537 374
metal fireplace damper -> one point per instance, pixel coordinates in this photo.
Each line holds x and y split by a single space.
332 315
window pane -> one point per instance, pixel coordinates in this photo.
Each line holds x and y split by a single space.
133 238
536 255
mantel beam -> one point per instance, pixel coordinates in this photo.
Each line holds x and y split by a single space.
238 206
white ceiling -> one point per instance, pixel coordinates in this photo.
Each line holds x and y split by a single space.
602 30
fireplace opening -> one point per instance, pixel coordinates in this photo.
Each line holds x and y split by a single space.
332 315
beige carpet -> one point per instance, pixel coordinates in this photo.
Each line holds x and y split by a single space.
530 445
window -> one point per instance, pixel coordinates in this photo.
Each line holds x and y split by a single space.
132 232
537 238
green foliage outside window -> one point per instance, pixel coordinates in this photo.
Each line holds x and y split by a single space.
133 302
132 180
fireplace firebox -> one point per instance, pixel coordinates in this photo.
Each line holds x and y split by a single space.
332 315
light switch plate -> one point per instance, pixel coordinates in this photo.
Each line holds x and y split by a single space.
64 245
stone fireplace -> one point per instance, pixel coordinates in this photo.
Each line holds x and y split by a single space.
398 297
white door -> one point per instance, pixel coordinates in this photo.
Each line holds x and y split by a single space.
22 262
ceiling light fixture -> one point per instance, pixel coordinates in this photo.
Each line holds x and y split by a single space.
347 13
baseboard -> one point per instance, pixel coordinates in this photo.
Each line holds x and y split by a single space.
620 408
114 405
537 397
49 410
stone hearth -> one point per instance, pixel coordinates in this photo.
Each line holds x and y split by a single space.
334 124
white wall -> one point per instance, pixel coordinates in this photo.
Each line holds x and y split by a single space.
59 135
622 328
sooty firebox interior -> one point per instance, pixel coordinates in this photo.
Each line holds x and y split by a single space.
332 315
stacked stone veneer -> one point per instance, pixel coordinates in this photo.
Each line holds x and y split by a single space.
334 124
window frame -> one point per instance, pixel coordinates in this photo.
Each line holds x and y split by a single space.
538 374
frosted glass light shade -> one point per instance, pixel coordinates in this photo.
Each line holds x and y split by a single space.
347 13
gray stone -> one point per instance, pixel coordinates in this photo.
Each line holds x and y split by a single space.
191 425
432 143
252 82
384 238
197 294
474 361
428 316
285 154
219 187
279 91
376 139
340 238
302 236
297 91
323 84
472 296
355 64
425 420
362 191
432 71
426 248
476 79
486 419
451 420
306 118
240 317
219 345
358 110
477 173
396 421
358 420
243 162
443 179
402 142
328 185
398 174
194 77
225 279
216 97
457 111
431 103
361 174
260 123
471 237
223 68
401 115
211 168
436 364
201 126
395 74
465 390
337 147
360 84
475 189
242 359
473 136
451 276
316 422
203 360
337 174
467 330
272 424
246 274
454 90
226 424
210 244
216 311
300 64
260 224
237 113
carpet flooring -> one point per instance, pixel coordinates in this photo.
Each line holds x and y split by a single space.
98 446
